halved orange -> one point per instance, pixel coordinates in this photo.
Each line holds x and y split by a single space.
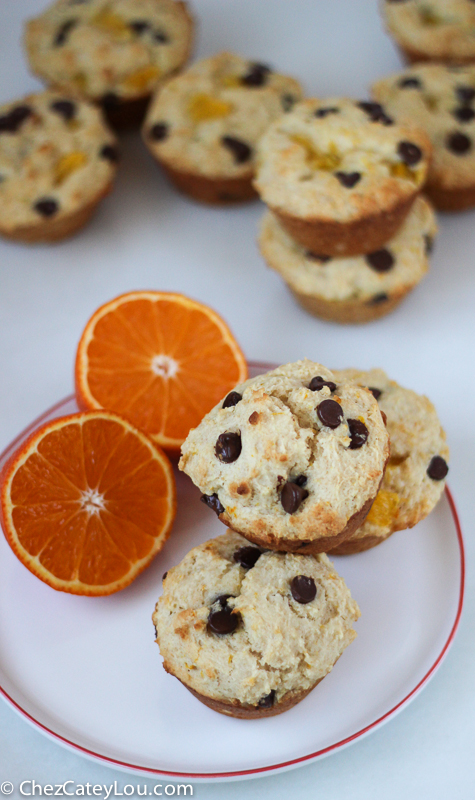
159 359
86 502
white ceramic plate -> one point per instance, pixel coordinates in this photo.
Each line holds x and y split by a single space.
86 671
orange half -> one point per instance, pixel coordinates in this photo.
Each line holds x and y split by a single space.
159 359
86 503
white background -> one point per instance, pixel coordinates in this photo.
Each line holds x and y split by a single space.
146 236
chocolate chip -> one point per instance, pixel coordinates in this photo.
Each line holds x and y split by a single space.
223 621
65 108
301 480
348 179
161 37
358 433
291 496
158 132
257 75
254 418
288 101
228 447
268 700
110 101
212 501
410 83
247 556
380 260
459 143
465 93
139 26
464 113
222 599
320 113
375 392
240 150
164 575
437 469
303 589
7 125
318 383
410 153
47 206
428 244
19 114
316 257
377 299
64 31
12 121
232 399
375 112
110 153
330 413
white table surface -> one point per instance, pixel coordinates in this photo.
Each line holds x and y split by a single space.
147 236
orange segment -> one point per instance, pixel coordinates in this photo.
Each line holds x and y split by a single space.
159 359
86 502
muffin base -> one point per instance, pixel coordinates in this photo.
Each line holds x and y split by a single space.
126 114
414 56
348 311
451 199
244 711
323 544
54 230
215 191
332 238
352 546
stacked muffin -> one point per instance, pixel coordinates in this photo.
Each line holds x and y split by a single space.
292 461
346 228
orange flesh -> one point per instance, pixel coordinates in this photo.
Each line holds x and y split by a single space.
89 501
124 348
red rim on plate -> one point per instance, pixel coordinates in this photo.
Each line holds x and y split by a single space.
271 767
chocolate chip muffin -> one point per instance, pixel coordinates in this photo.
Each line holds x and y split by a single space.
441 100
340 175
358 288
291 459
114 52
58 159
432 30
204 125
415 476
251 633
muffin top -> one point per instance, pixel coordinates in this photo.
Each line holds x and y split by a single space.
433 29
56 156
289 455
415 476
208 119
340 159
101 47
441 100
236 623
397 267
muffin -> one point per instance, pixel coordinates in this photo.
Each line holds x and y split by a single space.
415 476
441 100
203 126
432 30
58 160
340 175
251 633
290 459
113 52
357 288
